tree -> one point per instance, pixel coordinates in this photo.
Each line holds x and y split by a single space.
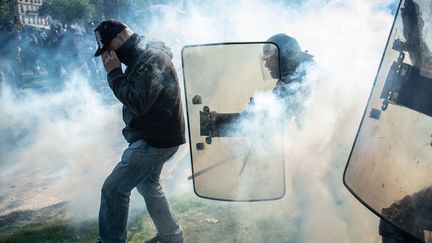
68 11
137 12
111 9
5 13
98 6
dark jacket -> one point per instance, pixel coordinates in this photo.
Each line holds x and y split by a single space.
150 93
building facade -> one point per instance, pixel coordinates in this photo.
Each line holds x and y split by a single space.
25 13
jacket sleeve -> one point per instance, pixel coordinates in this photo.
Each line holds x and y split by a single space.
141 89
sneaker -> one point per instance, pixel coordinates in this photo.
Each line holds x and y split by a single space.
158 239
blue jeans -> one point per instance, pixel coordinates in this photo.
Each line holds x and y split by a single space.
140 167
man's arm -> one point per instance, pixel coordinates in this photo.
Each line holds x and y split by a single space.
142 88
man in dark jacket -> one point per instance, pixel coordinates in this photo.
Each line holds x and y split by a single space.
152 112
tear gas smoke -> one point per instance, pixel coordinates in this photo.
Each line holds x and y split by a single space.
62 142
65 139
347 55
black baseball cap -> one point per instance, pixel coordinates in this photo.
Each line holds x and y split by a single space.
105 32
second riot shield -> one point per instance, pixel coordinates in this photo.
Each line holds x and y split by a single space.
390 166
235 122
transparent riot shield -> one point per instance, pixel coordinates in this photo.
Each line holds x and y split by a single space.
235 126
390 166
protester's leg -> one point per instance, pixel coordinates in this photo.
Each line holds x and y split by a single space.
137 163
158 206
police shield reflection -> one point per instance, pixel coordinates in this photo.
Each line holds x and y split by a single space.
235 121
390 167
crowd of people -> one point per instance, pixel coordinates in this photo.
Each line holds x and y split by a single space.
34 54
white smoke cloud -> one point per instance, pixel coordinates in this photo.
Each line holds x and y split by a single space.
62 143
65 143
347 39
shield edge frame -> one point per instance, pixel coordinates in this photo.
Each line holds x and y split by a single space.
188 124
361 123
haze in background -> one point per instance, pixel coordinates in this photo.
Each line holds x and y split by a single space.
60 144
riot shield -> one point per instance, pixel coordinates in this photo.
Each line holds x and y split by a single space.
390 166
235 126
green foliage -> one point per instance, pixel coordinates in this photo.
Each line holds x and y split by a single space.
68 11
5 14
98 6
81 11
136 13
